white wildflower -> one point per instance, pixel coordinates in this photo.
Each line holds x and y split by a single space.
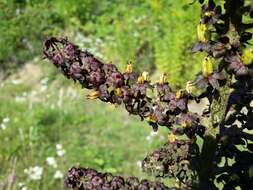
15 82
24 188
6 120
51 162
58 146
149 138
59 150
139 163
60 153
58 174
34 173
2 126
20 184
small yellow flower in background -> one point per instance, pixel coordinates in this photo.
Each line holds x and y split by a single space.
247 56
172 138
129 67
162 79
93 95
207 66
203 33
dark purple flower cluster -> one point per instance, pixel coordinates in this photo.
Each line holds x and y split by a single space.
89 179
178 159
225 152
129 88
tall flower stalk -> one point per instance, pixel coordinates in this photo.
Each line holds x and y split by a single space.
225 157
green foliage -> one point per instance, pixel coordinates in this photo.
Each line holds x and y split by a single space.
23 27
155 34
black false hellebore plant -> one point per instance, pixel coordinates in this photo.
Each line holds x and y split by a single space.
225 159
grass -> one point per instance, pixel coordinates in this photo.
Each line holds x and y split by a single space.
45 109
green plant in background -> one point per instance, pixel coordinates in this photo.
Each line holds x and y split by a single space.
23 25
148 32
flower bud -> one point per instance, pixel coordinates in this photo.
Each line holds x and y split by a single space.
202 32
207 66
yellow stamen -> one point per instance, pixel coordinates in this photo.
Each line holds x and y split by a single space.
140 80
179 94
129 67
117 91
172 138
162 79
189 87
209 13
152 118
145 76
93 95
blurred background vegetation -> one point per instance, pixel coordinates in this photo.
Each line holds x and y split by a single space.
155 34
40 109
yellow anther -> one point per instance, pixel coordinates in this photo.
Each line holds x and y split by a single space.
184 125
189 87
162 79
93 95
145 76
179 94
129 67
118 92
209 13
172 138
152 118
140 80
